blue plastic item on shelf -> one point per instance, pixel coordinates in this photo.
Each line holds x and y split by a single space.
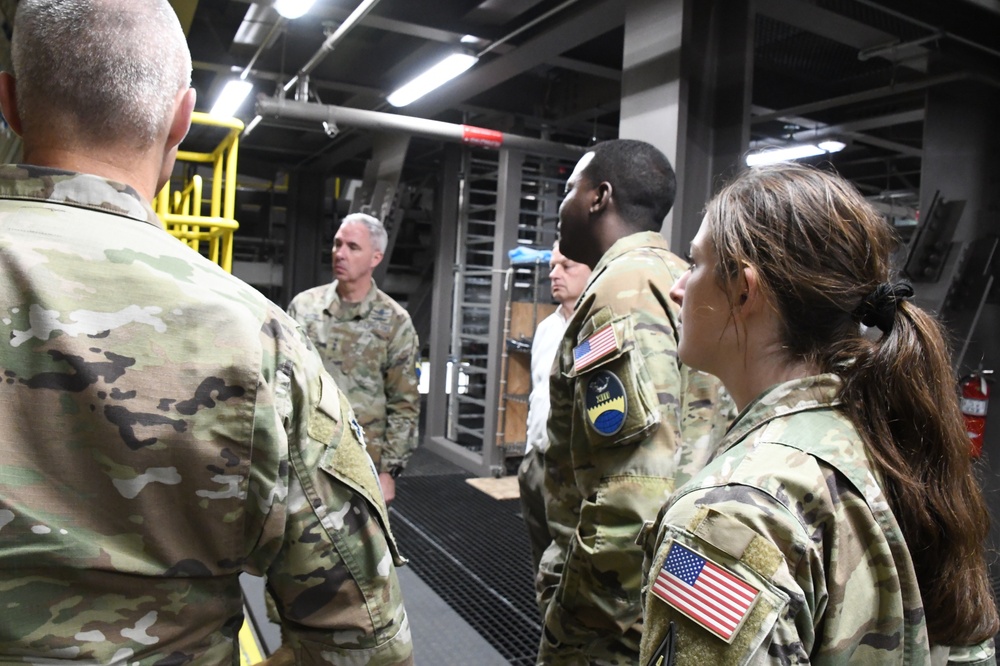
527 255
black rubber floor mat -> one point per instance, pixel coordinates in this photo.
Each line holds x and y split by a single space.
473 551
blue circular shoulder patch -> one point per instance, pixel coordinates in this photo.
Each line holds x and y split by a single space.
606 403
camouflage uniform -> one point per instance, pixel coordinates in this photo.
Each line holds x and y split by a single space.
793 507
164 427
604 487
371 349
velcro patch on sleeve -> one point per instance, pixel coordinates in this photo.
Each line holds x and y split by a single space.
707 593
598 344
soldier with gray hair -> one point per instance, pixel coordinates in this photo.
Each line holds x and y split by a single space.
369 345
165 427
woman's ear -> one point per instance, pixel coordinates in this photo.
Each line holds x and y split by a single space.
748 286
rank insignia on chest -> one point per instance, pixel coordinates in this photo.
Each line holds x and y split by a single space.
600 343
606 403
709 594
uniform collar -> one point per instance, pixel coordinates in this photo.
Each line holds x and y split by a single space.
791 397
363 308
622 246
34 183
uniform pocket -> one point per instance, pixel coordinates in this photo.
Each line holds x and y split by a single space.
615 393
347 461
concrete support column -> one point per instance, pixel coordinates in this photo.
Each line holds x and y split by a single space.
651 76
687 70
714 123
304 242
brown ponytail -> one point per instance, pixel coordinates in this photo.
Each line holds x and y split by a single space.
824 257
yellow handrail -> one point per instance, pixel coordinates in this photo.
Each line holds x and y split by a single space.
181 213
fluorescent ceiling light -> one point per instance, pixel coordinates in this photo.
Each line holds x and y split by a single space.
437 75
293 9
832 146
772 155
231 98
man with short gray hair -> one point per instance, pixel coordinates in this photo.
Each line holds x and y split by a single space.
165 427
369 345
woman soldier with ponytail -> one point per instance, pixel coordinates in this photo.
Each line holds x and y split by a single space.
841 521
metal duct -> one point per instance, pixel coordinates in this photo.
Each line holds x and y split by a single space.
392 122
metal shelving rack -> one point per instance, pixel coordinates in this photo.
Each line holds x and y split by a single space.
506 199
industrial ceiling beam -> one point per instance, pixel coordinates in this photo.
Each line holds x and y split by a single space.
836 27
575 29
869 95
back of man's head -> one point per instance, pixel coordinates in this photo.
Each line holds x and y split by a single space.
643 181
102 71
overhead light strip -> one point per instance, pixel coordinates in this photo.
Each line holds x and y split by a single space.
772 155
442 72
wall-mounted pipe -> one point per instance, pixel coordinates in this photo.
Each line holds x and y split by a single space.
393 122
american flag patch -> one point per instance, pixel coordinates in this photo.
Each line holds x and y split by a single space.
705 592
594 348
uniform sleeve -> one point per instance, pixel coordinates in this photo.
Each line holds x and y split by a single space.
326 548
698 548
402 398
823 567
707 410
293 310
562 508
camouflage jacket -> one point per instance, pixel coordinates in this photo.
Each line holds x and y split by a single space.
616 450
371 349
164 428
794 510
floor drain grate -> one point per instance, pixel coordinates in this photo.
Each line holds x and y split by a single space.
473 551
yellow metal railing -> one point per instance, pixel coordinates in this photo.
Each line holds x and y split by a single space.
181 211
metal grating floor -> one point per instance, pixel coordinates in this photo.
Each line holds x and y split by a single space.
472 550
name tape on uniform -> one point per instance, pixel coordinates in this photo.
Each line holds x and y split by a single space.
600 343
709 594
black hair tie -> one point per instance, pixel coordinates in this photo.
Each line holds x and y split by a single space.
879 307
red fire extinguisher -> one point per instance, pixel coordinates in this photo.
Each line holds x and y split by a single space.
974 398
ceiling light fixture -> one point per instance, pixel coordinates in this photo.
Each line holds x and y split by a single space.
231 98
439 74
293 9
772 155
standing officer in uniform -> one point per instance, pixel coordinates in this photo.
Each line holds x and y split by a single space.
567 278
163 427
841 521
368 344
627 421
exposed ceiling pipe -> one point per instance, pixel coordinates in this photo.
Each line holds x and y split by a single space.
524 27
263 46
333 116
324 50
328 45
